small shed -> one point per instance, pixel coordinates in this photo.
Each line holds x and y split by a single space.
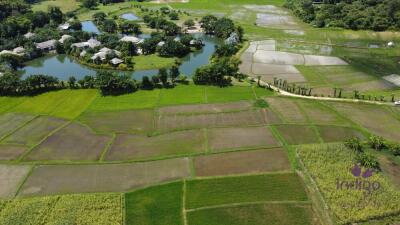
161 43
233 39
116 61
29 35
64 26
390 44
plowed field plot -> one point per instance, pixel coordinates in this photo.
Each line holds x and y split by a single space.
10 152
289 111
242 162
238 138
320 114
375 118
62 179
277 21
260 214
10 178
73 142
195 121
136 121
298 134
131 147
338 134
11 122
229 190
35 131
206 108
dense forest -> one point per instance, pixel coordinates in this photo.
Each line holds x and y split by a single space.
378 15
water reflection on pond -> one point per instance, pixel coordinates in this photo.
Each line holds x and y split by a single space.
63 67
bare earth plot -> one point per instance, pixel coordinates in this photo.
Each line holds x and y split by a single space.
298 134
320 114
287 109
131 147
34 131
196 121
375 118
206 108
63 179
10 122
338 134
135 121
242 162
11 152
73 142
11 177
238 138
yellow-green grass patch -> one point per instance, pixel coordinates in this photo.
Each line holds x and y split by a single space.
137 100
375 118
99 209
76 103
63 179
158 205
220 139
260 214
139 121
73 142
229 94
182 94
64 5
34 131
135 147
257 188
12 121
148 62
8 103
298 134
244 162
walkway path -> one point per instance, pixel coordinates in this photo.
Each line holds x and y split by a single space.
285 93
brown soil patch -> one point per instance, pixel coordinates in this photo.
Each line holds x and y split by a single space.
136 121
288 110
298 134
11 152
375 118
11 177
182 122
248 137
73 142
320 114
391 169
35 131
10 122
242 162
127 147
206 108
338 134
63 179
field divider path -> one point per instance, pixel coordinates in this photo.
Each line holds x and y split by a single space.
184 211
247 204
107 147
285 93
2 138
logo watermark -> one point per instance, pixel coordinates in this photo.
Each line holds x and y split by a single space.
360 181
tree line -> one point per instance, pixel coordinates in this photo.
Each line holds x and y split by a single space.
378 15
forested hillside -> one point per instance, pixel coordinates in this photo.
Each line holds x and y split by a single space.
375 15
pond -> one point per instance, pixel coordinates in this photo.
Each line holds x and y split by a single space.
130 17
63 67
89 26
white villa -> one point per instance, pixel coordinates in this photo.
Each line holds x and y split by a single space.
102 54
133 39
16 51
64 37
91 43
47 45
64 26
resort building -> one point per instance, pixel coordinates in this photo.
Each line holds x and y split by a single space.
133 39
47 45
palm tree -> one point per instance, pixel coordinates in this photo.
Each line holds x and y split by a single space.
392 97
340 92
334 92
258 80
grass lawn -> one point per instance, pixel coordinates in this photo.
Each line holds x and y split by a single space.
148 62
155 205
8 103
260 214
65 5
271 187
183 94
